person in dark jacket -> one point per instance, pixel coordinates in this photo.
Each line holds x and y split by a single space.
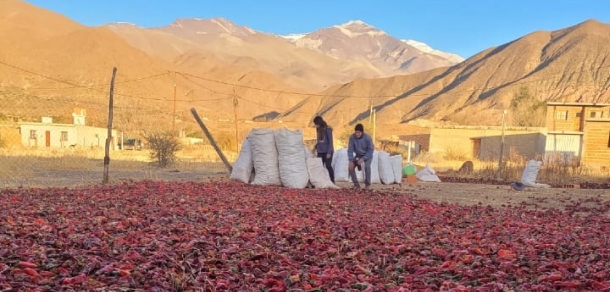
360 153
324 145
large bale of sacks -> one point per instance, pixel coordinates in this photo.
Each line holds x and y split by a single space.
396 161
265 158
386 169
244 165
292 162
340 165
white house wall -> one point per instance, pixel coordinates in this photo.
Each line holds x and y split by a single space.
563 147
55 131
79 136
94 137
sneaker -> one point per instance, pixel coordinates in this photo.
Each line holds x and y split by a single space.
356 187
368 187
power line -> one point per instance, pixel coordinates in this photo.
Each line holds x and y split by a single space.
101 85
229 95
486 88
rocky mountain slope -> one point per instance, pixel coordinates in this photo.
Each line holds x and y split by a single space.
571 65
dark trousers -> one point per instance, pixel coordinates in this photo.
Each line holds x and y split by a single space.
327 162
367 171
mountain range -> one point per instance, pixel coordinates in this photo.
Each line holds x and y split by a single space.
340 72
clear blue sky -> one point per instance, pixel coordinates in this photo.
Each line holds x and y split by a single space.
464 27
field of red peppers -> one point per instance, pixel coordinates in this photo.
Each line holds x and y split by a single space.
225 236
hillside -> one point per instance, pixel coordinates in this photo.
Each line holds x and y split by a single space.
51 71
565 65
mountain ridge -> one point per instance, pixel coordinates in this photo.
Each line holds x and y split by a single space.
562 65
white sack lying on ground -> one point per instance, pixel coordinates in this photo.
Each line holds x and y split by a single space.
386 172
242 169
427 174
291 158
397 168
318 174
265 157
530 174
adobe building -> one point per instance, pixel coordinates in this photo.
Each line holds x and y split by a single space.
46 133
579 133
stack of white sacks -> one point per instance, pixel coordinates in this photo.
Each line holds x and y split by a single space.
385 169
280 158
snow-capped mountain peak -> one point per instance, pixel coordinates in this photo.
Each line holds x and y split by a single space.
121 24
427 49
294 36
355 28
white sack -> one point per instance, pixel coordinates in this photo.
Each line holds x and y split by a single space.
530 174
386 172
397 168
318 174
265 157
375 169
307 152
340 165
242 169
291 158
427 174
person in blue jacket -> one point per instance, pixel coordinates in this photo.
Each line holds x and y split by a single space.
360 153
324 145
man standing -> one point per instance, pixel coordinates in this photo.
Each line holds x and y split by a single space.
360 153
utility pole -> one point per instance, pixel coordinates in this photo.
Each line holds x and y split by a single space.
502 145
374 126
174 113
109 138
235 104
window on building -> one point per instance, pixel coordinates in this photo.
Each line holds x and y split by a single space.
64 136
32 134
561 115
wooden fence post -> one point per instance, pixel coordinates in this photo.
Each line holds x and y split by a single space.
109 137
211 139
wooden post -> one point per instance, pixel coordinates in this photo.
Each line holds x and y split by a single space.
174 114
500 166
211 139
374 126
109 137
235 103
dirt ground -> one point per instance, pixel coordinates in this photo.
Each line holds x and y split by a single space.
460 193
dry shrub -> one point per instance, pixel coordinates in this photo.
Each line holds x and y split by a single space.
163 147
427 158
456 154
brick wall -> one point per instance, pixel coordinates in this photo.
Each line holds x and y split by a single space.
460 140
528 145
596 149
422 139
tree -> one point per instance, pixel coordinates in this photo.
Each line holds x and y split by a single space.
526 110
